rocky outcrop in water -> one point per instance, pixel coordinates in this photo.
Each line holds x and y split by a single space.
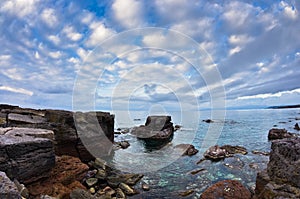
281 179
157 131
275 134
187 149
67 140
216 152
26 154
226 189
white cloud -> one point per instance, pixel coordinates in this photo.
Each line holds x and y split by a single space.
13 73
55 55
16 90
98 34
37 55
269 95
49 17
54 38
235 50
71 33
128 13
19 8
241 39
289 11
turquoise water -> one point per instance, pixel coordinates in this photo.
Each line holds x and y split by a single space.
168 174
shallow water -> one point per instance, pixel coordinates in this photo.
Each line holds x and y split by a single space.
168 173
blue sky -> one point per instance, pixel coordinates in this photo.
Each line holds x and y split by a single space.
249 53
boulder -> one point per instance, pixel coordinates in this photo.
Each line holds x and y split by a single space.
226 189
231 150
187 149
281 179
7 188
215 153
297 127
157 131
279 134
25 155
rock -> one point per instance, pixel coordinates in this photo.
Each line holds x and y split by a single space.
231 150
284 163
177 127
21 189
7 188
197 171
80 194
186 193
123 144
25 156
120 194
279 134
297 127
156 133
145 187
208 121
91 182
64 178
66 139
261 153
109 191
201 160
215 153
226 189
129 179
281 179
92 190
187 149
127 189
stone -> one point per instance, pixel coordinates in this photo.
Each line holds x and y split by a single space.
208 121
186 193
194 172
279 134
64 177
156 133
91 182
177 127
7 188
145 187
26 156
187 149
127 189
80 194
281 178
226 189
231 150
297 127
120 194
284 163
215 153
261 153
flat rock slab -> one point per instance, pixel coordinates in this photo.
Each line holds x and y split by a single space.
7 188
24 155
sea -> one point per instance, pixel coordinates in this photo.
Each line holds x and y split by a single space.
169 174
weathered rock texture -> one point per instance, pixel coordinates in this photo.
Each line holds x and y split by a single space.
7 188
216 152
26 154
157 131
227 189
275 134
282 177
63 178
67 140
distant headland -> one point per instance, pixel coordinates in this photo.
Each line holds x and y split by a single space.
285 106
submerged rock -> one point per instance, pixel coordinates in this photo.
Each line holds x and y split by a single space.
157 131
215 153
186 193
226 189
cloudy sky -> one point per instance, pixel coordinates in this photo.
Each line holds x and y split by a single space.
198 54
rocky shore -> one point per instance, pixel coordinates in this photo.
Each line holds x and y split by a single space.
42 156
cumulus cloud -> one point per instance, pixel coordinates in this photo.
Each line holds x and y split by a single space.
19 8
49 17
99 32
129 13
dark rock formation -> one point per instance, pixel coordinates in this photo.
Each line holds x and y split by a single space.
7 188
25 155
208 121
282 177
157 132
226 189
217 153
67 138
187 149
297 127
275 134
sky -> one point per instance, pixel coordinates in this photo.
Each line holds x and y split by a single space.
164 54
